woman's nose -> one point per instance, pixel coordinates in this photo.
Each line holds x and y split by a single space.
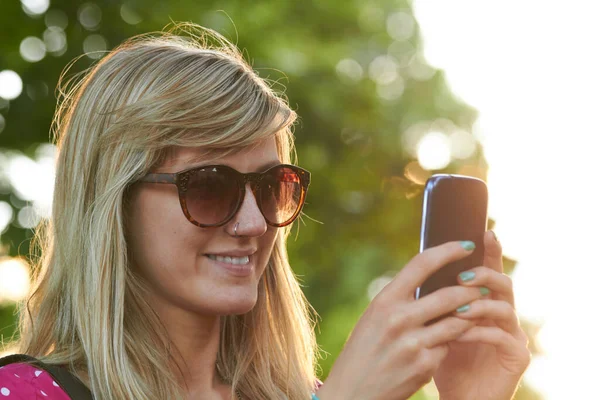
250 219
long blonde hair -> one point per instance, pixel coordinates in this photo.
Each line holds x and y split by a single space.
187 86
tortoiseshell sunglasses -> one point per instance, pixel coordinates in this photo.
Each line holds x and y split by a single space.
211 195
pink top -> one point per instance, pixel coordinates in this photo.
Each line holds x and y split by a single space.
22 381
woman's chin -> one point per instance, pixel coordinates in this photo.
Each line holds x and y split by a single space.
236 306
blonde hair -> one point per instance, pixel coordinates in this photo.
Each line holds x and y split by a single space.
184 87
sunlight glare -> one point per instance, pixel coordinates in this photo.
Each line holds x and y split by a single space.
6 215
535 113
14 279
433 151
11 85
463 144
35 7
34 180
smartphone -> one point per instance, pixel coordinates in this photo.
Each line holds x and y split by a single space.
455 207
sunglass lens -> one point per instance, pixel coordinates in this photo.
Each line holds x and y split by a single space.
280 195
212 195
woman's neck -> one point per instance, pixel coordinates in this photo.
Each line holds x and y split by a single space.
196 339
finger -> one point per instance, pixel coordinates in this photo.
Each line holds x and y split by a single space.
420 267
426 364
492 255
500 284
443 331
442 302
438 353
513 351
502 314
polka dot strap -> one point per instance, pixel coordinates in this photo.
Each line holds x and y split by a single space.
73 386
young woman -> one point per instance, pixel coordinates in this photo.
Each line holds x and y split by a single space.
164 272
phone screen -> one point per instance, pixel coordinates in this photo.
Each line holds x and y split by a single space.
454 208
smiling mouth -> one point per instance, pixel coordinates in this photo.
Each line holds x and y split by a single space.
230 260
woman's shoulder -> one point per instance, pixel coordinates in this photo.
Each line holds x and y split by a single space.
22 381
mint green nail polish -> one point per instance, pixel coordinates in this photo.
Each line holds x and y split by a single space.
467 245
463 308
467 276
484 291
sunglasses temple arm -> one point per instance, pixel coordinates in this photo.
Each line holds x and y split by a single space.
159 178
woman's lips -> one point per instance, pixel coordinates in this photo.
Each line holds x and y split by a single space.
236 266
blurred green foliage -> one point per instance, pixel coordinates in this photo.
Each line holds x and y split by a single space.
348 136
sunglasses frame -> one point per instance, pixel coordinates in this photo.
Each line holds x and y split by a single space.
181 179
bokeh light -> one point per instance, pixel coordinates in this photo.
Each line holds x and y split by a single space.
33 181
355 202
55 40
35 7
37 90
11 85
32 49
391 91
383 69
20 171
463 144
349 70
6 215
56 18
95 46
433 151
403 51
410 137
400 25
4 182
291 61
28 217
130 15
14 279
89 15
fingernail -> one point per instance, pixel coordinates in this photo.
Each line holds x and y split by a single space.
463 308
467 245
494 233
467 276
484 291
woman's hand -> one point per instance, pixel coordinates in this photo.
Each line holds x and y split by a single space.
391 353
487 362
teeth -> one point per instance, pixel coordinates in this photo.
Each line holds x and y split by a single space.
231 260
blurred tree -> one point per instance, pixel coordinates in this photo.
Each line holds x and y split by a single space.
355 73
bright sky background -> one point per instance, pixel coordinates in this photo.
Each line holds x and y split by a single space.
532 69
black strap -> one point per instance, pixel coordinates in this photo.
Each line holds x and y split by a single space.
69 382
